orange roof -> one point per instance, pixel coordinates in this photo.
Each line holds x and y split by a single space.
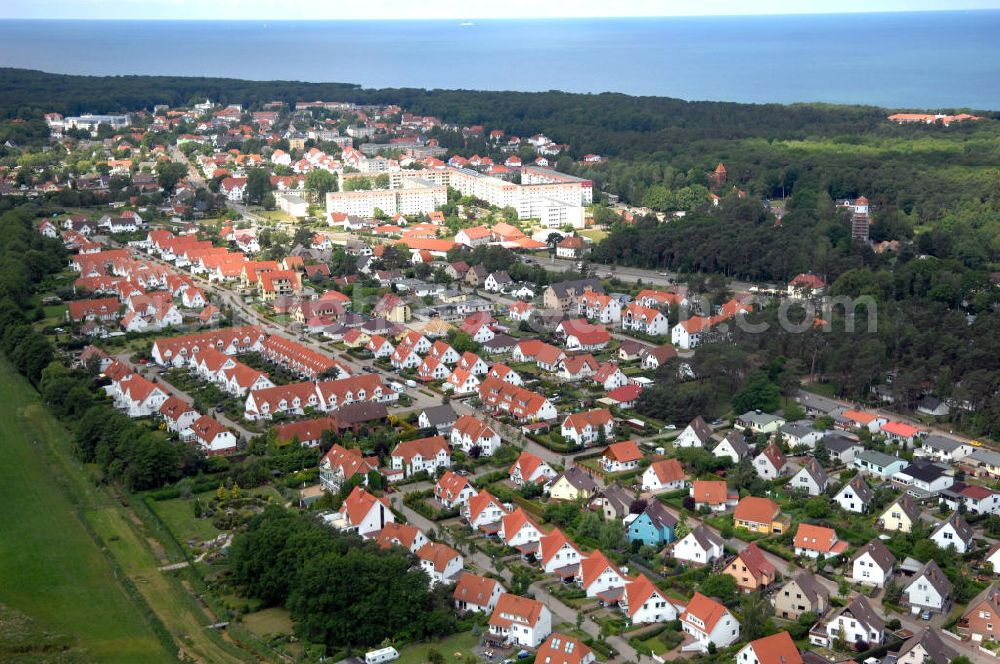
859 416
705 609
818 538
552 543
901 429
481 501
668 470
514 609
624 451
474 589
776 649
437 554
594 565
756 510
638 591
713 492
562 649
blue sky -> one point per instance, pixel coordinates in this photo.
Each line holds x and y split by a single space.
454 9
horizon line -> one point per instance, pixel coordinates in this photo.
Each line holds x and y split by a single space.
763 14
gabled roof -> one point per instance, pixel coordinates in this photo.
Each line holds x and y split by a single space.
439 555
594 565
474 589
668 470
639 591
777 648
811 588
861 489
933 574
756 510
624 452
936 650
701 429
960 526
755 561
713 492
513 609
659 515
705 537
562 649
818 538
550 544
907 506
402 533
706 610
775 456
578 479
814 470
862 610
879 553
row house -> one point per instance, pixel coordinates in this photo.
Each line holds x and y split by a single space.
520 403
421 455
470 432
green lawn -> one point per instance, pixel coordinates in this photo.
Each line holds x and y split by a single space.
454 648
50 568
178 514
268 622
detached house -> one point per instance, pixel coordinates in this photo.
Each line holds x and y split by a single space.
519 621
484 512
476 593
873 564
519 531
642 319
403 535
700 546
530 468
902 515
695 434
713 494
453 490
584 428
815 541
362 513
469 432
979 622
643 603
654 526
929 590
559 556
733 446
665 475
572 484
759 515
601 578
855 495
925 647
857 622
803 594
621 457
562 649
811 479
775 649
708 621
751 569
954 534
440 562
771 463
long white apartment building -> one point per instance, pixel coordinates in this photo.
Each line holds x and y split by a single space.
405 196
554 198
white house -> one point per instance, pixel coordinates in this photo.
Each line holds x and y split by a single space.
873 564
855 495
442 563
695 434
929 590
424 454
708 621
362 513
453 490
469 432
519 621
599 575
700 546
664 475
857 622
775 649
583 428
477 593
644 603
811 478
955 534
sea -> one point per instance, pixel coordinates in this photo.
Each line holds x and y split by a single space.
930 60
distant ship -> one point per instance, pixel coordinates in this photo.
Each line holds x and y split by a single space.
466 23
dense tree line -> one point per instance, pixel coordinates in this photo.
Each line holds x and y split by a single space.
339 589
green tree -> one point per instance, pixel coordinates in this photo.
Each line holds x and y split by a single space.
319 182
721 586
258 184
757 613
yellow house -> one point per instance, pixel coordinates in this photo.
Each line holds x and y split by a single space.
574 484
901 515
759 515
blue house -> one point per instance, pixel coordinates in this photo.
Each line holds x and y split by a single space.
655 526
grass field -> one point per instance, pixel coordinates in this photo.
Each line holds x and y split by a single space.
51 570
454 648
